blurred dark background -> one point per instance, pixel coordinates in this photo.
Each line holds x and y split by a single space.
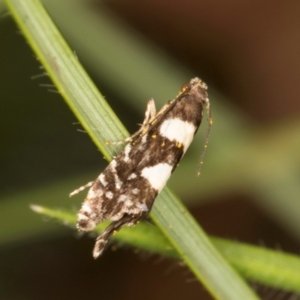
247 51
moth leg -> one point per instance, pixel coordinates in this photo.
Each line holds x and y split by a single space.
150 113
81 188
162 112
103 238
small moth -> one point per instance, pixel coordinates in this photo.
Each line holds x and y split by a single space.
125 191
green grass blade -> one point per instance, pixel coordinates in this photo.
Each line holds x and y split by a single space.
269 267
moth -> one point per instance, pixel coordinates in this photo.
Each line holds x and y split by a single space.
125 191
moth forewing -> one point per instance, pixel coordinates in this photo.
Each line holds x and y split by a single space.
125 191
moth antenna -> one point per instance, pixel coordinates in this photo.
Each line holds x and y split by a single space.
210 122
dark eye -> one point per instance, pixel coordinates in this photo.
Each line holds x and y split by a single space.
184 87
